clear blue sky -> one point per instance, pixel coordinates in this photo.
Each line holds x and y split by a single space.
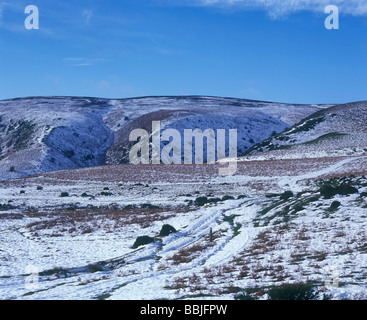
127 48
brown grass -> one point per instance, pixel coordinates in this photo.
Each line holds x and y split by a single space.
82 221
183 173
188 254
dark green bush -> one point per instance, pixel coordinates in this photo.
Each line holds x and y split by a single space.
143 240
64 194
346 189
242 196
335 205
297 291
328 191
106 194
298 207
200 201
271 195
6 207
286 195
226 197
167 230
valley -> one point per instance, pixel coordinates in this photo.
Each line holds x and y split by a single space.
97 228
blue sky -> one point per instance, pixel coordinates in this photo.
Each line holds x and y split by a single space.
256 49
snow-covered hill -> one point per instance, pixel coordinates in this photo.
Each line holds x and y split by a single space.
53 133
337 131
290 223
42 134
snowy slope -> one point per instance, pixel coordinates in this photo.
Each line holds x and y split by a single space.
337 131
294 213
42 134
254 120
53 133
81 246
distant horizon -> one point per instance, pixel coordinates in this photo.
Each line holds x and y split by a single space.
176 96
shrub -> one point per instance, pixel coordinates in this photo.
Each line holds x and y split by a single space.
229 219
242 196
5 207
39 188
307 125
12 169
329 191
298 207
200 201
64 194
141 241
297 291
346 189
286 195
334 206
167 230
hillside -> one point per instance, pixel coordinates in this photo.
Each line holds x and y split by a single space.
79 222
42 134
336 131
53 133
